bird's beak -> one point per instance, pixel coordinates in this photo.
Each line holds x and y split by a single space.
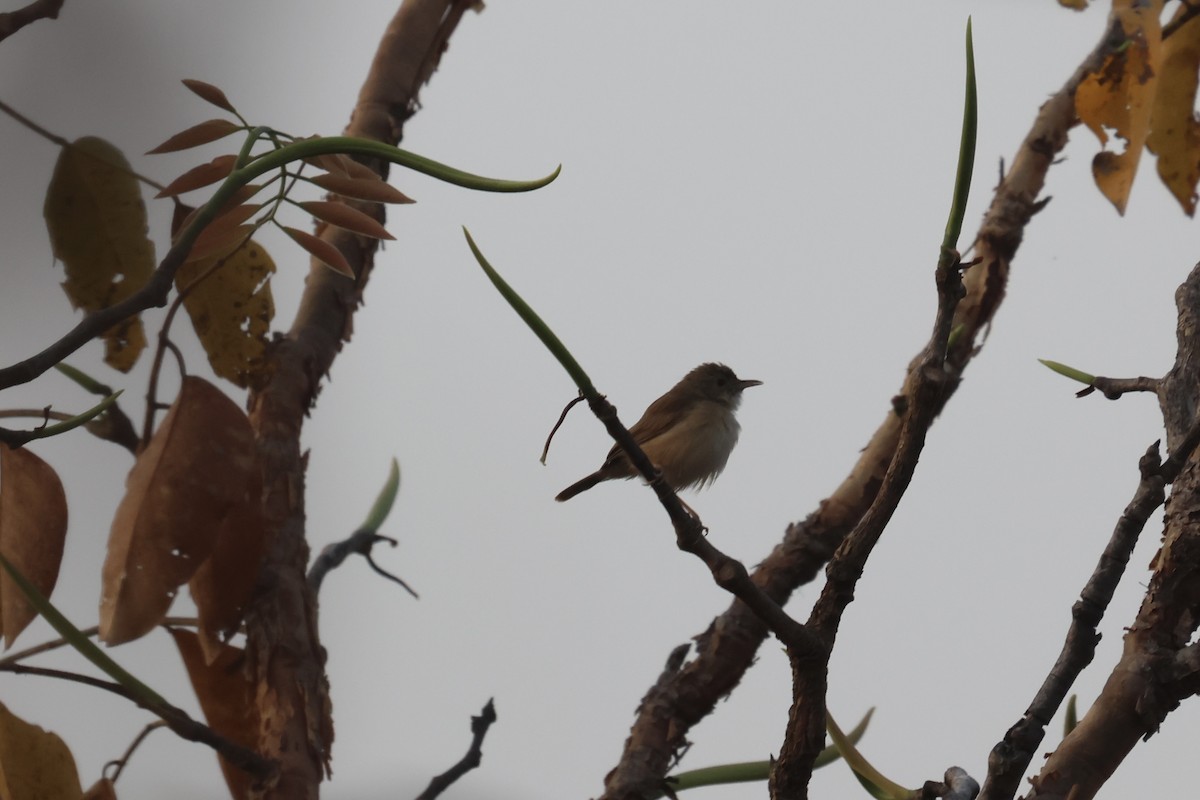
747 384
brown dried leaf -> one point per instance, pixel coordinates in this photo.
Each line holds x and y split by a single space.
102 789
35 763
322 250
97 224
203 133
1119 97
223 585
231 309
194 473
204 175
210 93
361 188
226 697
344 216
33 529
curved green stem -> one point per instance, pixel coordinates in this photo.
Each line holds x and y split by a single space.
349 145
140 692
535 323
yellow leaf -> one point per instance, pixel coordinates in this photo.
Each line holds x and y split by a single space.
1174 131
231 309
1120 96
34 763
196 470
33 530
97 224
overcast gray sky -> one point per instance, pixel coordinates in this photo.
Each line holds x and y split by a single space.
761 184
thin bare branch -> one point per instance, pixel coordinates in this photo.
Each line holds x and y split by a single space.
118 765
13 21
174 718
472 759
361 542
1011 756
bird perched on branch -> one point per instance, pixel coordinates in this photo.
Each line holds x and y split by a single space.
688 433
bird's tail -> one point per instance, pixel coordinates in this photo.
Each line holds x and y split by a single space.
580 486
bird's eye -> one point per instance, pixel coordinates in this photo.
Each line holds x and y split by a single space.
720 381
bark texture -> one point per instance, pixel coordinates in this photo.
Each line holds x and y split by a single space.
285 659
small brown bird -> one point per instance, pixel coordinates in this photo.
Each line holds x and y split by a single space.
688 433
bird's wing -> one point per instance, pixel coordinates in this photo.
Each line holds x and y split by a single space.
662 415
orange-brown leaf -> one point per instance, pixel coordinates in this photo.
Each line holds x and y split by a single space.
210 93
184 214
226 697
204 175
227 220
322 250
375 189
215 242
330 162
1120 96
203 133
1174 131
231 309
97 224
192 475
33 529
34 762
344 216
357 169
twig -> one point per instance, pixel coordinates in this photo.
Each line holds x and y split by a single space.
956 785
120 763
361 541
918 408
13 21
54 644
174 718
1113 388
1189 12
557 425
1011 756
61 142
473 758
